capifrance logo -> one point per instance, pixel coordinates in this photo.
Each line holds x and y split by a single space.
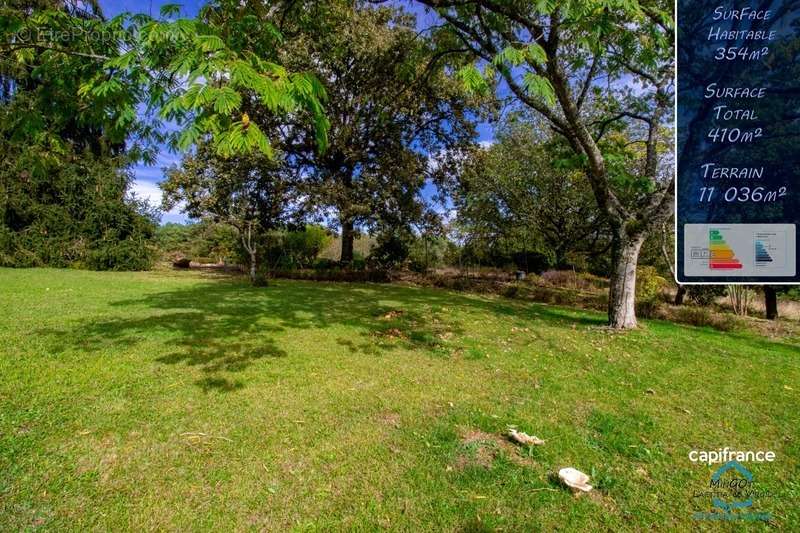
723 455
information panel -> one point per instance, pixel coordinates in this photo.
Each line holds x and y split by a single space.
738 181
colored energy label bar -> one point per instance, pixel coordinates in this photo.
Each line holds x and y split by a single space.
762 254
721 255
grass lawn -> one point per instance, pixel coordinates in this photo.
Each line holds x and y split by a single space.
179 401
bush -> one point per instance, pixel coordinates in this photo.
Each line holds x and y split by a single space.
337 274
703 317
358 263
569 279
426 253
392 248
128 254
303 247
262 280
649 285
560 278
325 264
705 295
453 283
532 261
77 214
511 291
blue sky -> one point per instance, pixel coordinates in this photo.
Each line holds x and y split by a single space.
148 177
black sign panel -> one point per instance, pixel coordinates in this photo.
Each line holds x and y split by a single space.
738 141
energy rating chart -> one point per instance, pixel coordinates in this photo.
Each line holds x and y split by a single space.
721 255
762 254
738 162
749 250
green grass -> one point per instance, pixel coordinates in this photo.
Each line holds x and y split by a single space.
175 401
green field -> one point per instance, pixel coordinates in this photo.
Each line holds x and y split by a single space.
180 401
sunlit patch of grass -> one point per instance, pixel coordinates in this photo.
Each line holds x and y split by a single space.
180 401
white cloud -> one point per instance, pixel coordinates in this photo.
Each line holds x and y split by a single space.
149 191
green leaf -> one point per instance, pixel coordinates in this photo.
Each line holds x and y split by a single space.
536 54
509 55
123 61
227 100
189 137
210 43
539 87
107 87
257 140
172 107
170 10
472 79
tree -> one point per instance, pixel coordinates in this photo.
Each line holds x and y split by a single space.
390 103
248 192
552 57
73 85
302 246
771 299
78 215
740 297
64 178
666 238
193 71
523 190
770 302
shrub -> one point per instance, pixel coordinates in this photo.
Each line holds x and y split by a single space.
532 261
391 249
337 274
589 281
703 317
262 280
127 254
325 264
569 279
358 263
510 291
78 213
304 246
453 283
560 278
649 285
705 295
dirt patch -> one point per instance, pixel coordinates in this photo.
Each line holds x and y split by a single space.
481 449
775 329
391 315
603 500
392 333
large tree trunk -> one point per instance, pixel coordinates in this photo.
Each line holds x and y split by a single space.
622 291
347 242
771 302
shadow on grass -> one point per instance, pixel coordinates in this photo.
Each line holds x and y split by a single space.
226 326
